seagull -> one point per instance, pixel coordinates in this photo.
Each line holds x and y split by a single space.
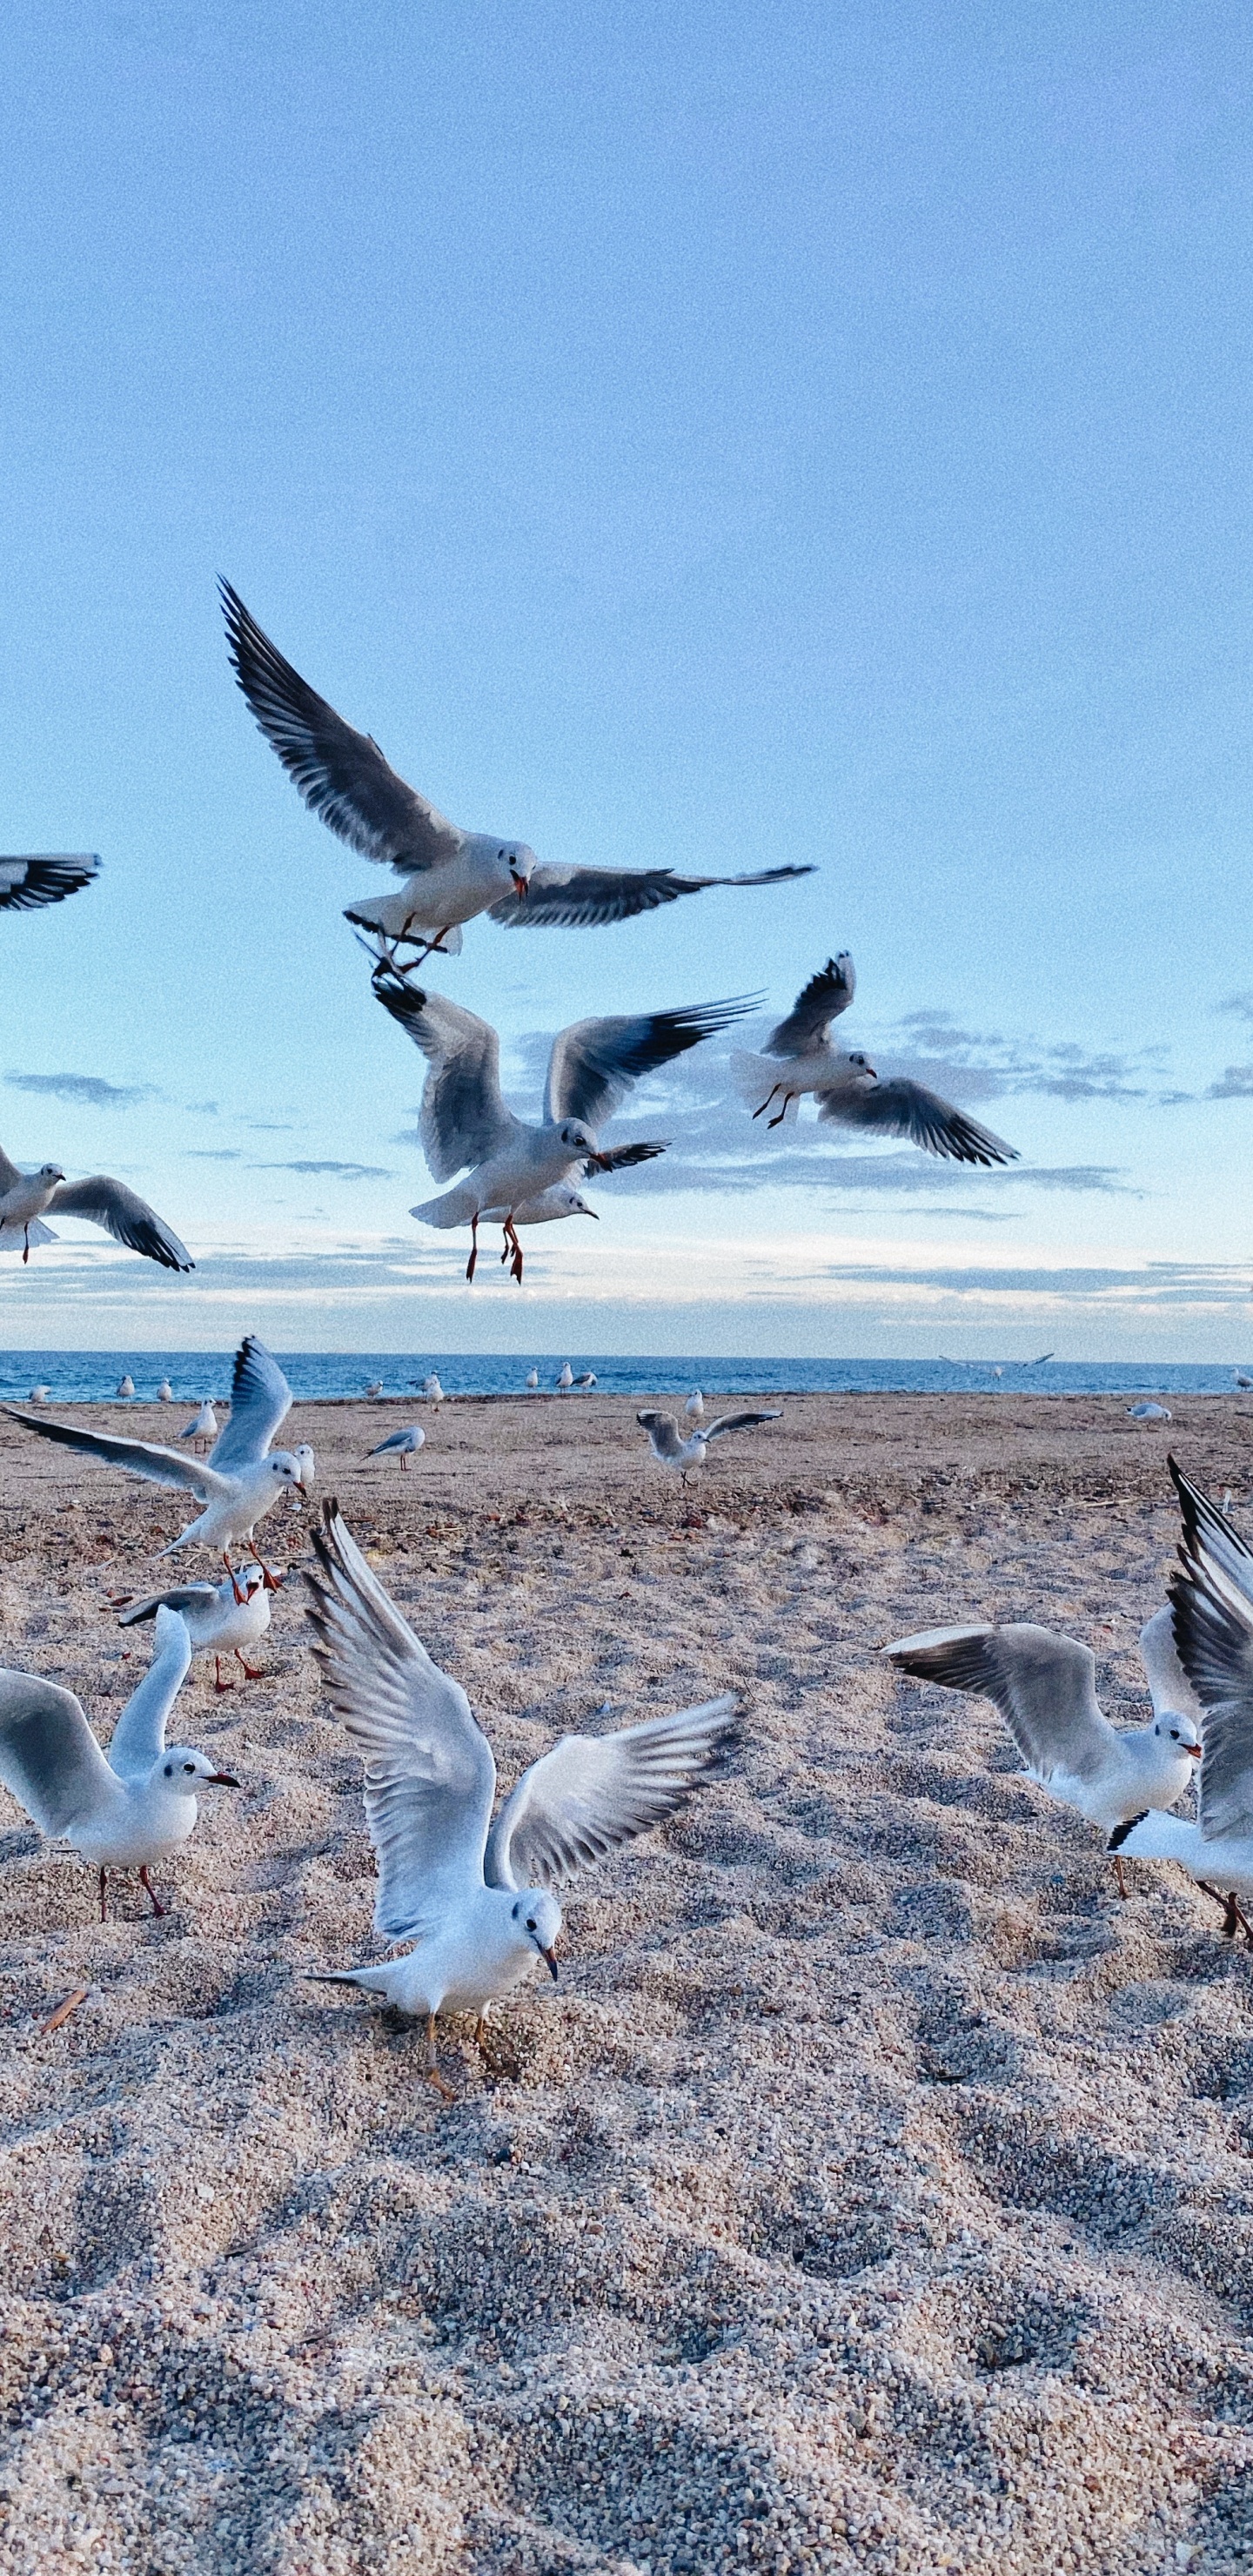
232 1614
797 1058
565 1380
479 1904
27 1197
695 1406
586 1382
165 1392
432 1390
205 1425
532 1381
1242 1380
27 884
374 1388
405 1445
39 1394
125 1812
463 1118
1149 1413
126 1388
682 1455
448 876
1044 1685
238 1482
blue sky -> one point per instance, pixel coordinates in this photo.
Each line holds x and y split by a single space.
703 436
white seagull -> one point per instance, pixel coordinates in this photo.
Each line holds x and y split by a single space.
586 1382
240 1480
565 1379
27 884
374 1388
126 1812
125 1388
479 1903
204 1426
1044 1685
165 1392
218 1617
39 1394
797 1058
682 1455
447 875
463 1118
695 1406
432 1390
532 1381
403 1445
1149 1412
27 1197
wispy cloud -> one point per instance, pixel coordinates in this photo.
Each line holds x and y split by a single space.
1236 1084
339 1171
201 1108
1240 1004
212 1153
87 1090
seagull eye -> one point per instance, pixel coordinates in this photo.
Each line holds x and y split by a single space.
1174 1735
530 1923
189 1766
169 1770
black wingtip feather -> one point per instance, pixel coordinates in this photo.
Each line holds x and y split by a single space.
1120 1832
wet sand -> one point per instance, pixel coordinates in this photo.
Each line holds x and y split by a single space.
875 2190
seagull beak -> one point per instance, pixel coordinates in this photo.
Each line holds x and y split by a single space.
591 1212
520 886
601 1162
552 1964
1193 1751
221 1780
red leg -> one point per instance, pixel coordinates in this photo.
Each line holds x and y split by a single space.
157 1906
218 1682
252 1671
240 1596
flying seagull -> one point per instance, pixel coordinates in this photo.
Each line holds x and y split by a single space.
680 1456
463 1119
232 1614
26 885
27 1197
797 1058
448 875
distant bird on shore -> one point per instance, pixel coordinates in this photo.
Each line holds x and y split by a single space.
797 1058
403 1444
1242 1380
477 1898
26 885
532 1381
585 1383
39 1395
1044 1685
374 1388
27 1197
165 1392
432 1390
126 1811
448 875
1149 1413
243 1477
219 1618
464 1121
680 1455
695 1406
564 1379
204 1426
125 1388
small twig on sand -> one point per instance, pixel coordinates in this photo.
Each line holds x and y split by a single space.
63 2011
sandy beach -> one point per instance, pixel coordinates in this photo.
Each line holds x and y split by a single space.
875 2189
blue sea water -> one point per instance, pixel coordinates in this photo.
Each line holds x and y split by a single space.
88 1377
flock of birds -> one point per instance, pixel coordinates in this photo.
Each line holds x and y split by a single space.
503 1169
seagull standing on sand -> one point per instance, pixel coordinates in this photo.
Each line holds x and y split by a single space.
27 1197
680 1456
447 875
238 1482
797 1058
565 1380
374 1388
403 1445
583 1385
126 1388
1044 1685
205 1425
165 1392
27 884
126 1812
695 1406
532 1381
219 1618
479 1903
463 1118
432 1390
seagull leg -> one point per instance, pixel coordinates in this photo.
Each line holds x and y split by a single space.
103 1877
404 1463
472 1263
241 1597
252 1672
269 1582
1232 1916
760 1113
780 1114
26 1243
157 1906
218 1682
1123 1888
431 2069
511 1237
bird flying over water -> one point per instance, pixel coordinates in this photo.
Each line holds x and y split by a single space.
27 1197
797 1057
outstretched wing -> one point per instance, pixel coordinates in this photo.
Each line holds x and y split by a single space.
341 774
139 1736
738 1422
180 1597
594 1062
576 1804
623 1158
900 1108
429 1774
139 1457
663 1431
1044 1685
125 1216
826 994
463 1119
261 1399
26 884
1214 1635
587 898
49 1758
1207 1530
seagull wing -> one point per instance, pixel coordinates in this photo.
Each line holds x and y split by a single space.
594 1062
49 1758
139 1457
341 774
261 1400
429 1775
1214 1635
125 1216
9 1174
900 1108
826 994
1044 1685
26 884
592 1792
463 1119
622 1158
139 1736
181 1597
1171 1691
1207 1530
586 898
663 1431
738 1422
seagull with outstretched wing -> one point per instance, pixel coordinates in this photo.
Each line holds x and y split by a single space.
449 875
671 1450
26 885
27 1197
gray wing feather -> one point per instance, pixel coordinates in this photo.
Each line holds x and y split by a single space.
463 1120
825 995
429 1774
663 1431
261 1400
9 1174
49 1758
594 1062
139 1736
125 1216
623 1158
27 884
183 1596
1207 1530
139 1457
341 774
900 1108
588 898
592 1792
1214 1635
738 1422
1043 1684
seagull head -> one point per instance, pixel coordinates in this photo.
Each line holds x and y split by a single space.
576 1206
287 1466
538 1918
861 1072
1178 1733
308 1466
50 1172
519 861
582 1142
183 1771
249 1579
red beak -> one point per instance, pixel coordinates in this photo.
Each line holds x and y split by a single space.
520 886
